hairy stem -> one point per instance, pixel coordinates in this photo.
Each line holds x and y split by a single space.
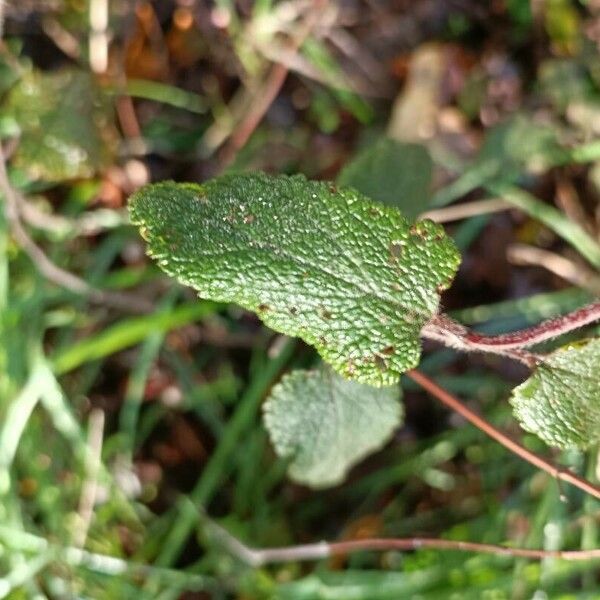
451 333
541 463
445 330
540 333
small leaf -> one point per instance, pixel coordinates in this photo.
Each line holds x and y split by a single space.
394 173
566 82
520 144
326 424
560 402
64 122
349 276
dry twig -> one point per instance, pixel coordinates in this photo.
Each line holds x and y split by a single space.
258 557
466 210
577 274
267 93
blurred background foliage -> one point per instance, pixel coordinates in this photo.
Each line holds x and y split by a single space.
130 410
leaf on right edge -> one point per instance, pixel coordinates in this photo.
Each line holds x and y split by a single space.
560 402
394 173
325 424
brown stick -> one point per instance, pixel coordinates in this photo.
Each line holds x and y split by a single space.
258 557
565 268
266 94
455 404
441 544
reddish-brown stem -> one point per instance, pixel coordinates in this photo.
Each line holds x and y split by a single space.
449 332
263 101
455 404
539 333
267 93
444 329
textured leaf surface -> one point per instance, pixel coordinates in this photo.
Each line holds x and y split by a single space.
64 123
326 423
560 402
395 173
349 276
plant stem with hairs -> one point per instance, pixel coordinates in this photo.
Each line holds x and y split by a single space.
449 332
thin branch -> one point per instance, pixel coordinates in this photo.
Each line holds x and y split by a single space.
441 544
129 123
267 93
256 557
64 39
264 99
539 333
541 463
465 210
48 269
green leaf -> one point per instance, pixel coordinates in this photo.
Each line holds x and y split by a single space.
64 122
394 173
326 424
349 276
520 143
560 402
